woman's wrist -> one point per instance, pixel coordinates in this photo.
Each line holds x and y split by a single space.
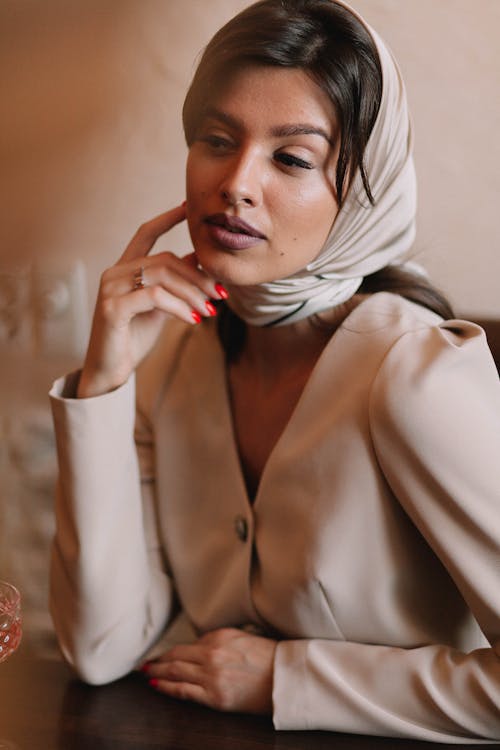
92 385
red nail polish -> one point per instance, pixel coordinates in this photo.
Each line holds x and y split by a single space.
153 682
196 316
211 308
221 291
145 667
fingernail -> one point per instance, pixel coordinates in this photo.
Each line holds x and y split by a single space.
153 683
221 291
211 308
145 667
196 316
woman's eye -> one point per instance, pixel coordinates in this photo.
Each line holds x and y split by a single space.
217 142
289 160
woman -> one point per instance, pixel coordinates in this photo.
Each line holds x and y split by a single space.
317 485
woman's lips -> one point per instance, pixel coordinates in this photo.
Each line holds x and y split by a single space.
232 232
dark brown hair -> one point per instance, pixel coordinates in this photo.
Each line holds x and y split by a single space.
409 284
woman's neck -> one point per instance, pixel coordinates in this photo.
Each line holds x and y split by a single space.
274 352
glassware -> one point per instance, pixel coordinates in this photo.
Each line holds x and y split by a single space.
10 619
10 632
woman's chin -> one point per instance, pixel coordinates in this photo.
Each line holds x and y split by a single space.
230 270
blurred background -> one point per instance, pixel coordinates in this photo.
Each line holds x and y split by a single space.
91 146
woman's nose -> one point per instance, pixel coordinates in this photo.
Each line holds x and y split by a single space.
242 181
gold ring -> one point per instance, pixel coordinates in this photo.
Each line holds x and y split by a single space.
139 279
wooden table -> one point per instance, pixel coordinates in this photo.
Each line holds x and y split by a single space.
43 707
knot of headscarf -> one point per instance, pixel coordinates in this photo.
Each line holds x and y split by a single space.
364 238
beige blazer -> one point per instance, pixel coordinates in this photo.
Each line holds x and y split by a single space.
372 550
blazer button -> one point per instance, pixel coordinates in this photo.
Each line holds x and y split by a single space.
241 528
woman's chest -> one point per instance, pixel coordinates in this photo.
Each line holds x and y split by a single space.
260 413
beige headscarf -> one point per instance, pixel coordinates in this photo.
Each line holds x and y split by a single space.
363 238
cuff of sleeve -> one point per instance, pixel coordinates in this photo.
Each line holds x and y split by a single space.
290 700
85 426
66 386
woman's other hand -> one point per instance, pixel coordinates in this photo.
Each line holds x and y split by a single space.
227 669
128 318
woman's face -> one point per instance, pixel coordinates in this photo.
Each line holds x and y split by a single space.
260 177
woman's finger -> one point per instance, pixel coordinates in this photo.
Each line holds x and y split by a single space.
160 286
188 652
177 671
147 234
166 269
119 311
185 691
182 673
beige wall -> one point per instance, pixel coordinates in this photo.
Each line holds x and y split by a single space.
91 146
450 57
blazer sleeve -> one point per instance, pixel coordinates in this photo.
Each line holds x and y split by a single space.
435 425
110 596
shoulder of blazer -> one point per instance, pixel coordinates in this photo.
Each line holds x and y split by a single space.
426 366
396 337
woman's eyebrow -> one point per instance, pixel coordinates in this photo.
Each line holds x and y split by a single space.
278 131
217 114
283 131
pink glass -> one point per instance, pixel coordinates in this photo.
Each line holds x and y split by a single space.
10 619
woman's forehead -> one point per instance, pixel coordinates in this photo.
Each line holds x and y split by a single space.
287 99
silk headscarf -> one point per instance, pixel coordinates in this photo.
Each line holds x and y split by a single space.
363 238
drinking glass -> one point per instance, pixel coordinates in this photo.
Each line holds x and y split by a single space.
10 632
10 619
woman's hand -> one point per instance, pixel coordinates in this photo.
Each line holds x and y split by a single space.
127 320
227 669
